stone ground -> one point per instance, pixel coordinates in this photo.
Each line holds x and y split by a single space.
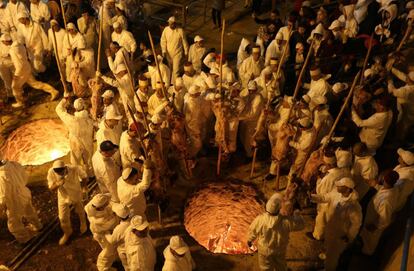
82 251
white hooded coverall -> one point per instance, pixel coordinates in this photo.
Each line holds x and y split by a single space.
107 171
117 240
129 149
173 263
80 126
6 68
140 252
69 193
249 68
17 199
272 235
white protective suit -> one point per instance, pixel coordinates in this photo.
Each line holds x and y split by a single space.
105 133
195 56
275 50
60 35
272 235
379 213
89 31
318 88
69 193
173 263
132 196
374 129
12 10
16 198
241 52
126 40
121 57
405 105
323 187
189 80
6 68
344 218
154 75
129 149
107 171
361 9
140 252
250 69
404 185
40 13
23 73
117 241
253 109
36 42
174 46
365 168
210 62
80 126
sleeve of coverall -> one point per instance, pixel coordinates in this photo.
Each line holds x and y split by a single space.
146 181
184 40
110 81
2 191
385 215
63 114
356 220
133 43
399 74
43 36
370 122
163 42
254 229
208 60
111 63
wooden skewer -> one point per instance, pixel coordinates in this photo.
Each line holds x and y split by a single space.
62 78
98 61
140 136
253 162
364 66
164 91
406 35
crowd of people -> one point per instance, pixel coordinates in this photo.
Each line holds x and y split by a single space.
337 70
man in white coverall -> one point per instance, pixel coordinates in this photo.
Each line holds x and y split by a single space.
251 67
196 53
23 74
80 127
66 179
101 218
110 128
344 219
139 246
131 189
177 256
6 65
271 230
16 200
405 170
129 147
174 46
107 168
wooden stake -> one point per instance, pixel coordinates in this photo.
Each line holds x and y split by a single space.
62 77
141 138
406 35
222 54
98 61
218 169
164 91
364 66
253 162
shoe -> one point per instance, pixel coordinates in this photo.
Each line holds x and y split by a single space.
17 105
54 95
64 239
270 177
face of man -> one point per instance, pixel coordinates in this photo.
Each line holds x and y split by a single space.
72 31
55 27
23 21
344 191
60 171
273 16
34 1
108 154
113 48
100 209
111 123
200 44
320 16
159 93
107 100
118 30
256 56
173 25
13 1
301 30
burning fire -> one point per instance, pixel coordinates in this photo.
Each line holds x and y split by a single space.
218 216
37 142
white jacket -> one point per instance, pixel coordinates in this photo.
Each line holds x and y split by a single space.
129 148
364 168
126 40
117 238
60 35
80 126
71 191
121 57
133 196
405 184
89 31
105 133
374 128
107 171
13 10
71 42
173 263
327 183
173 42
272 232
195 56
101 222
34 37
274 50
39 12
154 75
405 101
248 68
13 191
140 252
318 88
381 208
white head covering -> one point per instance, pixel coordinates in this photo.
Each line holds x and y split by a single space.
79 104
70 26
198 38
108 94
305 122
406 156
22 14
347 182
116 24
139 223
335 24
252 85
156 119
112 115
273 204
58 164
178 245
120 5
343 158
339 87
171 19
120 210
100 200
194 89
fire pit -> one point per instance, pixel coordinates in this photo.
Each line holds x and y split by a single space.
37 142
218 216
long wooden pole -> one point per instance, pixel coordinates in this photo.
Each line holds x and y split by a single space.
406 35
98 61
164 91
364 66
302 71
141 138
62 78
348 98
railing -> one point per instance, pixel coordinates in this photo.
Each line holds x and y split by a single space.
407 236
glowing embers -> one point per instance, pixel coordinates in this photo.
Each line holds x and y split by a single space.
37 142
218 216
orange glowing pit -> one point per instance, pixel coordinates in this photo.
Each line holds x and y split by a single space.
37 142
218 216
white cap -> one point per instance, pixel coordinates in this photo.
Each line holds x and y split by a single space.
179 82
79 104
273 204
305 122
217 96
335 24
306 3
406 156
120 210
368 72
71 26
343 158
274 61
54 22
158 85
139 223
126 173
319 29
112 115
347 182
256 50
194 89
100 200
198 38
178 245
409 5
279 36
58 164
339 87
120 68
116 24
171 19
5 37
156 119
252 85
108 94
143 83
